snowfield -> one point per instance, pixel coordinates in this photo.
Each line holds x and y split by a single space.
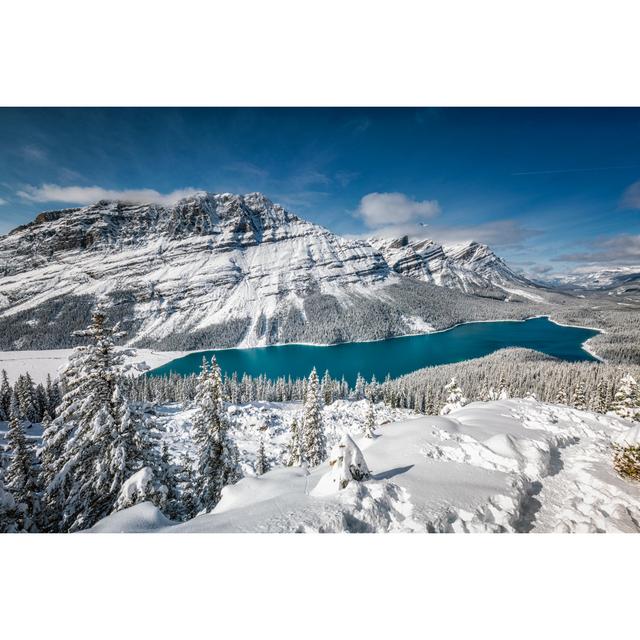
39 364
506 466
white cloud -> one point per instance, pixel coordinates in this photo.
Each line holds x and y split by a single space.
631 197
379 209
620 249
2 201
89 195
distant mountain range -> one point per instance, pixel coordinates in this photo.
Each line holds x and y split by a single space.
224 269
619 280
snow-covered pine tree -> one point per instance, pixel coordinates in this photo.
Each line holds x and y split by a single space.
262 463
217 456
40 401
25 392
168 476
8 516
455 398
188 506
602 398
126 448
503 390
21 477
314 445
294 448
580 398
327 388
561 396
143 486
358 391
369 421
625 402
429 406
5 397
77 452
52 391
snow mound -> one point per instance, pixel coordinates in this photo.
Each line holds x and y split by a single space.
513 465
629 437
346 464
140 518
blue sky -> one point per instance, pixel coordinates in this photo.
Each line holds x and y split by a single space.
549 189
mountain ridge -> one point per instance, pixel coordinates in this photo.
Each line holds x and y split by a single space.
232 269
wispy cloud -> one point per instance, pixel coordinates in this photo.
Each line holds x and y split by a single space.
575 170
247 169
2 201
631 197
382 209
34 152
617 250
89 195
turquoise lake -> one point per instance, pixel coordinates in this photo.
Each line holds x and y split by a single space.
395 356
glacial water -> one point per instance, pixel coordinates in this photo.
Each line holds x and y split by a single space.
395 356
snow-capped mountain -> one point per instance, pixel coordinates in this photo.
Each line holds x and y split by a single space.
618 279
222 269
470 267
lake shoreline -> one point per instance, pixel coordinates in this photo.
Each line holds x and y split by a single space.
39 363
348 358
402 335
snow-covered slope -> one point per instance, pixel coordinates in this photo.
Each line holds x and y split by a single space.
208 260
504 466
470 267
222 269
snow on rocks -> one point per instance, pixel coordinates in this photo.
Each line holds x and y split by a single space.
629 437
346 464
139 487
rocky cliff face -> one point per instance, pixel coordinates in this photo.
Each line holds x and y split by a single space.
470 267
233 269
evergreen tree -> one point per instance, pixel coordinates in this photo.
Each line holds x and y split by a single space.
625 402
21 477
8 516
52 391
579 398
314 446
561 396
429 406
370 420
25 392
217 461
503 391
143 486
601 400
78 466
327 388
358 391
294 448
127 446
188 503
455 397
262 464
168 476
40 402
5 397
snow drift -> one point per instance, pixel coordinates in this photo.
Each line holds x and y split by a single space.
503 466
